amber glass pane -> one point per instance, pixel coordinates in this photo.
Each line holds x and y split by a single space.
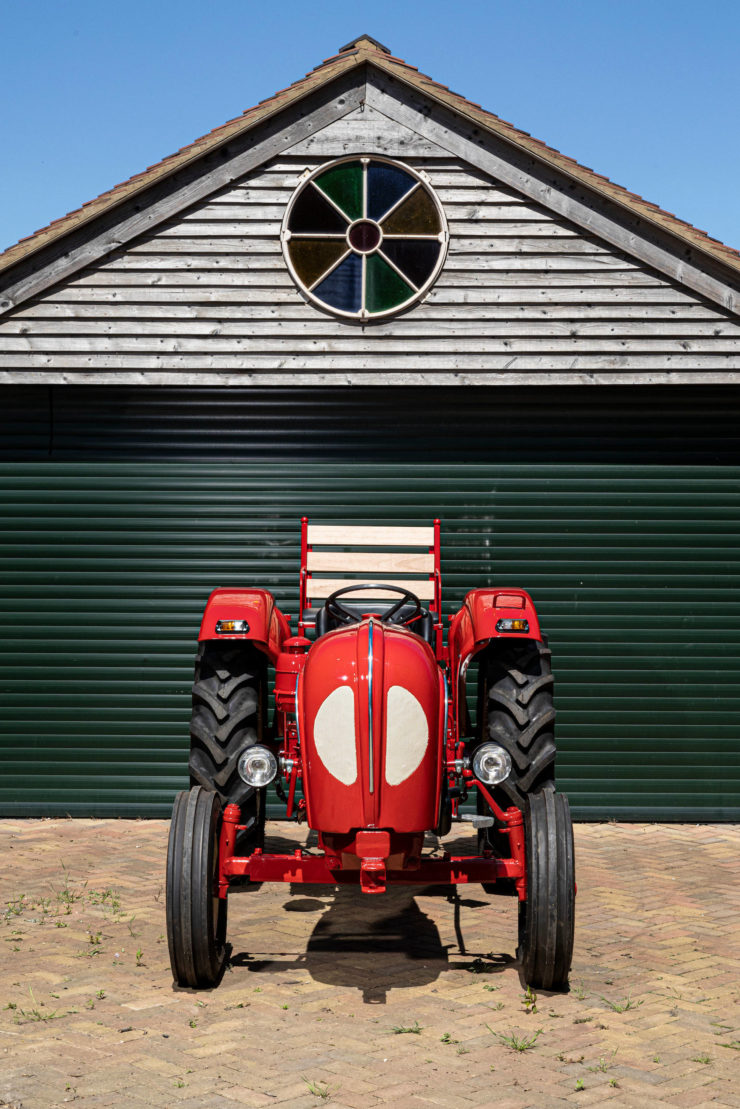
385 186
384 289
415 258
313 213
415 216
343 184
342 289
312 257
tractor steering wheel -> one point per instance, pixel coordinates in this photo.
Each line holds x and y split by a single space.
335 608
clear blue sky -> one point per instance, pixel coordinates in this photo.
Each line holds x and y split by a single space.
643 91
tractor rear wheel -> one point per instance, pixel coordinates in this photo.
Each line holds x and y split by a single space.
547 917
229 707
515 710
196 916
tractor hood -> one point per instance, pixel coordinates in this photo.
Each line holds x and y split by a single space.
370 713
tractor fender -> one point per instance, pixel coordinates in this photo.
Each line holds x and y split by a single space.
267 625
473 627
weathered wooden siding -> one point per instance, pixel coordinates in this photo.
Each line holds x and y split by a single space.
521 292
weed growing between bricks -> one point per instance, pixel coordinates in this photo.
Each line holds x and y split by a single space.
96 914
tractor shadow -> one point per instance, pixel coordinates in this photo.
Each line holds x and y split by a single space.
377 943
374 944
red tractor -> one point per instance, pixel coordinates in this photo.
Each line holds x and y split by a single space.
371 744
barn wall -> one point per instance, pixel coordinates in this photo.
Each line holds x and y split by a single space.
521 291
120 509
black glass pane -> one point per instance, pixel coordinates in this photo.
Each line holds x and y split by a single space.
342 289
415 258
312 212
416 216
313 257
385 185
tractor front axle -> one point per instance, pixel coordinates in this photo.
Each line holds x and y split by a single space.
368 868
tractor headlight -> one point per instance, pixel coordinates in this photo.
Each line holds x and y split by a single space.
491 764
257 766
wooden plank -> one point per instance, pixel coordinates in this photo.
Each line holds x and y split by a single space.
263 238
323 369
244 246
339 144
464 228
473 227
350 535
452 188
591 372
266 257
612 288
371 562
454 177
472 283
459 334
452 171
129 305
318 588
214 279
393 351
237 215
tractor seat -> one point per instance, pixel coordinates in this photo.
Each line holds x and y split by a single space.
423 625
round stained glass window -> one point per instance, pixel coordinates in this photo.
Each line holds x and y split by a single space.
364 237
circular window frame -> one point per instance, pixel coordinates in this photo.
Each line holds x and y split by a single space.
362 316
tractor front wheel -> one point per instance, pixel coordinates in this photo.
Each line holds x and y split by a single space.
547 917
196 916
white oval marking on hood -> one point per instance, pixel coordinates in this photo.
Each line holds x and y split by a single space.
334 734
406 735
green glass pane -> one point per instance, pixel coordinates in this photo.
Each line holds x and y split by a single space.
384 289
416 216
313 257
343 184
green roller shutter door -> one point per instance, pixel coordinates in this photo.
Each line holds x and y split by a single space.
618 510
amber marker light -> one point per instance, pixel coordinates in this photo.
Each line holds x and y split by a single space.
512 625
231 627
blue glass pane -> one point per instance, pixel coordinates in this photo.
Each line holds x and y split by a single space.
385 186
342 289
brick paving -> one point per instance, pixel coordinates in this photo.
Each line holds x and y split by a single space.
321 980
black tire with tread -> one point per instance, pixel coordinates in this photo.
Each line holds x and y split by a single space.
229 704
516 711
547 917
196 917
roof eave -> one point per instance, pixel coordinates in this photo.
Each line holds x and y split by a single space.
632 204
173 163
